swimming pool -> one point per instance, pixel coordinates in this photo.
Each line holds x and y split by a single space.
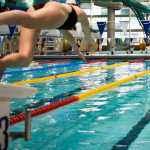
114 119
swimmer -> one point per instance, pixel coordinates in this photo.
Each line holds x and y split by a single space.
127 51
141 50
146 50
78 43
38 67
43 16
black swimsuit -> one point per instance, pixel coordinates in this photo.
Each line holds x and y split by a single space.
69 23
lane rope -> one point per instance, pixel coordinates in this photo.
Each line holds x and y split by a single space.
48 62
52 67
41 110
42 102
65 95
72 73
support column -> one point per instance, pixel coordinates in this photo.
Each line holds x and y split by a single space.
111 27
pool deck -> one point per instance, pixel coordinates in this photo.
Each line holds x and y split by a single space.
118 55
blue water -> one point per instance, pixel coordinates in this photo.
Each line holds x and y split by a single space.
113 117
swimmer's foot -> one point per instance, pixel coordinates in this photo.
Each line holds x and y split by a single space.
2 69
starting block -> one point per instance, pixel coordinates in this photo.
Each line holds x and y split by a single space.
6 92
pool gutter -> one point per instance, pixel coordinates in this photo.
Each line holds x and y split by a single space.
89 57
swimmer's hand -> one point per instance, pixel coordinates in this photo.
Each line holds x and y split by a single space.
81 55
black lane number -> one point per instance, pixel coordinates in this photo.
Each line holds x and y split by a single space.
4 120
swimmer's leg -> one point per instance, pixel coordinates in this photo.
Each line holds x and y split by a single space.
28 39
2 68
44 18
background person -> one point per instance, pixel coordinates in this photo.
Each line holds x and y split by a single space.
78 43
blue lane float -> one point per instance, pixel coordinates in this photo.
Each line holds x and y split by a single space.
52 67
44 68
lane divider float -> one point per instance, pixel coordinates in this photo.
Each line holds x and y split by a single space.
52 67
56 61
42 102
59 97
72 73
41 110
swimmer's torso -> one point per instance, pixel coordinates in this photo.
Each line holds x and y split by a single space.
68 9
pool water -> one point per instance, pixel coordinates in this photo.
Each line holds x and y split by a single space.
114 119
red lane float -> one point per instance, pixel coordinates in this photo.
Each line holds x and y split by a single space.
21 117
143 59
18 118
88 62
56 61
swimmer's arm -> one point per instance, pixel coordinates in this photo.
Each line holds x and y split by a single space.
87 32
68 36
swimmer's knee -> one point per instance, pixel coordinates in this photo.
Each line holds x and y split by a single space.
26 64
30 23
25 61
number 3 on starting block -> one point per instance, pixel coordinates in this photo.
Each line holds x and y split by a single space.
4 122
